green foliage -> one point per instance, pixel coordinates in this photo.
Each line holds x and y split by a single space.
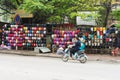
54 19
36 5
118 26
41 9
74 14
116 14
56 10
59 8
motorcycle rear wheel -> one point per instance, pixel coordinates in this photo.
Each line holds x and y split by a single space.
65 58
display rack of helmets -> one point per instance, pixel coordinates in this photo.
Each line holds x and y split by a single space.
34 36
62 35
98 39
26 37
12 35
94 36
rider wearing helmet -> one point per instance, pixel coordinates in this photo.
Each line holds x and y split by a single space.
82 43
82 47
75 47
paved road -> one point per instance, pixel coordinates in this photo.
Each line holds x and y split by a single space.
15 67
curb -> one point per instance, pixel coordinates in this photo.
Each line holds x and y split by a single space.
16 53
31 53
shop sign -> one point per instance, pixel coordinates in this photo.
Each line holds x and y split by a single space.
87 21
22 14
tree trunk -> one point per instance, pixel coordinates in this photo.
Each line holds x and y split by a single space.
106 17
108 7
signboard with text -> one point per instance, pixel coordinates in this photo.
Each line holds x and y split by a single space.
87 21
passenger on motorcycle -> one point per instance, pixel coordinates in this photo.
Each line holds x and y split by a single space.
82 39
82 47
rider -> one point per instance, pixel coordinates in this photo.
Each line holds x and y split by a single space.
82 39
78 44
75 47
82 43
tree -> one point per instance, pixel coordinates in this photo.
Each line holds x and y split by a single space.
52 10
57 10
104 11
70 8
41 9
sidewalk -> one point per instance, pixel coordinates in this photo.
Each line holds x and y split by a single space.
91 57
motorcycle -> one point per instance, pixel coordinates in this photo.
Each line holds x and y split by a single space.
79 56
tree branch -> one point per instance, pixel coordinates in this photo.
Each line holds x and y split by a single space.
19 2
8 4
3 13
5 10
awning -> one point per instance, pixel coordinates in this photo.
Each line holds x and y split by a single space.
22 14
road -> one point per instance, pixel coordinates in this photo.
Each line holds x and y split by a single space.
15 67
